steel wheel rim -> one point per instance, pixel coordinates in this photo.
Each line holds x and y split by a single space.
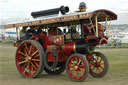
28 59
76 68
97 65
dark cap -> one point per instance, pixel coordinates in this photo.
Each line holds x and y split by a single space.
82 5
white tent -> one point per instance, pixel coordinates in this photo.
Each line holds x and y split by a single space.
125 39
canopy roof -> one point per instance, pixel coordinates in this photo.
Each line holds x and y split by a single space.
66 19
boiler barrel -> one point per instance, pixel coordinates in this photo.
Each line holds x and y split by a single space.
78 47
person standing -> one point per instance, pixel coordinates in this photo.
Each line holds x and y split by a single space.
82 7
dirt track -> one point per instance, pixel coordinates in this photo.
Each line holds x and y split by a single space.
117 75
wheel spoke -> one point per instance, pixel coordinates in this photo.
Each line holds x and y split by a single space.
101 63
31 68
24 65
79 62
30 49
73 62
91 65
99 70
34 66
76 58
77 73
71 65
102 67
96 70
100 60
93 68
21 57
97 57
21 62
35 59
73 69
81 73
34 53
37 55
81 69
22 53
82 66
26 47
26 69
25 51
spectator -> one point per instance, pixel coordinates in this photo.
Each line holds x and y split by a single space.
120 42
115 42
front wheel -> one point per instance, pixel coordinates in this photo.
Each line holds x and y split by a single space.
77 67
98 65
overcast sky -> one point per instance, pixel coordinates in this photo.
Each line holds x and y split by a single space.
17 9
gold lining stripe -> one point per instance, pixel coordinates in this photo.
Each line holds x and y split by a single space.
74 47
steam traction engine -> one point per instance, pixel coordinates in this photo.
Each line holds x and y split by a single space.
65 42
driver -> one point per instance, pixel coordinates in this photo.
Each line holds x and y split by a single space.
30 32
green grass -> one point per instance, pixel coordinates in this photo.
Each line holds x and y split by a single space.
112 44
6 44
117 74
124 44
118 59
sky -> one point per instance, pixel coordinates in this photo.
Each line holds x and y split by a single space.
16 10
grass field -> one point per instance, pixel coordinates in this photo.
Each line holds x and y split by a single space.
117 74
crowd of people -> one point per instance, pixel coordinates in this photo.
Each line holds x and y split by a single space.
115 42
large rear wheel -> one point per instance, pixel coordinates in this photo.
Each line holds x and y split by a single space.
29 58
77 67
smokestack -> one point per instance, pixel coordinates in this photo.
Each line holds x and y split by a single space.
62 9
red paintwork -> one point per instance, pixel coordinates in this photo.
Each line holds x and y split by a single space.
15 44
96 64
89 57
48 39
46 42
57 39
54 31
63 51
79 72
50 57
103 41
28 57
23 66
102 38
45 39
61 56
107 12
90 37
69 48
